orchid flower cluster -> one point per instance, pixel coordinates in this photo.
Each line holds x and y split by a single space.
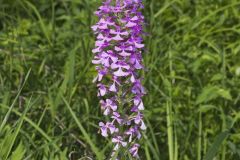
118 59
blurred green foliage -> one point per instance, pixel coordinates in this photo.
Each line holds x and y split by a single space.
192 61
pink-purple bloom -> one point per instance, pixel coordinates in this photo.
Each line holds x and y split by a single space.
118 59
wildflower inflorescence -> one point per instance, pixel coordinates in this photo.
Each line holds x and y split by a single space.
118 56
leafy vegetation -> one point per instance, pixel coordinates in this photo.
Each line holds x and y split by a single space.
48 104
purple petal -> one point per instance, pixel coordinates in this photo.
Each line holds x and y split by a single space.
114 59
124 144
130 24
117 48
101 124
130 138
113 32
138 45
134 150
130 48
135 18
134 109
103 26
104 132
112 129
95 27
100 76
105 62
139 135
100 36
99 43
113 88
133 79
137 119
125 33
102 90
106 112
138 65
124 54
114 66
138 102
114 107
96 50
96 61
125 66
143 126
117 38
115 140
141 106
120 73
116 147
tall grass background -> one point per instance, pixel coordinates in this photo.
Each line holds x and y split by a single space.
48 105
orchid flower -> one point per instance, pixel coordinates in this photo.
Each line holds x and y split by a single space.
118 59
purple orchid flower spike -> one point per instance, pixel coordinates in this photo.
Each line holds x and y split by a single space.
118 59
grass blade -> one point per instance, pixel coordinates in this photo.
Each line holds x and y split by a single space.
17 130
35 126
170 132
199 146
43 26
164 8
14 101
85 134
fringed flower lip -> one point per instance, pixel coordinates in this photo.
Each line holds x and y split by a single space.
118 59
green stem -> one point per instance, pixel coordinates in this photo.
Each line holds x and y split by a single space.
175 144
169 112
199 147
223 155
170 131
224 127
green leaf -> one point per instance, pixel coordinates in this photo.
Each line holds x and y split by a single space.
224 94
216 145
208 93
205 108
19 152
217 77
212 92
4 147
